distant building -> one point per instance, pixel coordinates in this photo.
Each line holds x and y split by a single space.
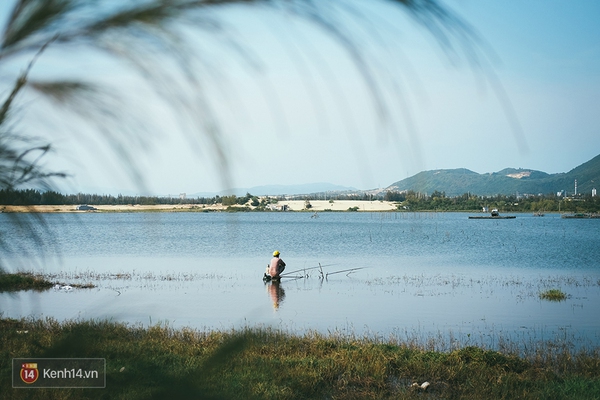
276 207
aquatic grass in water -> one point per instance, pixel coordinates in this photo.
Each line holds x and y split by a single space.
133 276
450 281
23 281
553 295
30 281
521 287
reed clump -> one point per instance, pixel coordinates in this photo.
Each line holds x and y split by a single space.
162 362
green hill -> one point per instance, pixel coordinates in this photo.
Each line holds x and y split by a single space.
507 181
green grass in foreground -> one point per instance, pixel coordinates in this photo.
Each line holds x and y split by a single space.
160 362
553 295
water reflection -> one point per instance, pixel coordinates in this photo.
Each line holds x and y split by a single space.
276 292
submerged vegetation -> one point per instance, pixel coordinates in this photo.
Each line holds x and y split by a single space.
159 361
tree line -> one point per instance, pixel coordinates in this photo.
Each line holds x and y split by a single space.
407 200
31 197
438 201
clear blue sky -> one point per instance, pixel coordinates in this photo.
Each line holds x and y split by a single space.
305 114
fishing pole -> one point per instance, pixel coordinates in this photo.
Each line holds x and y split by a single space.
345 270
306 269
294 277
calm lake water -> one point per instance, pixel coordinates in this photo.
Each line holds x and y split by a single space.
424 276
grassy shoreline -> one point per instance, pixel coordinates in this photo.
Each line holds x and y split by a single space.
159 361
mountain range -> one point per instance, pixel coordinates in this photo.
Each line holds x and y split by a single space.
277 190
456 182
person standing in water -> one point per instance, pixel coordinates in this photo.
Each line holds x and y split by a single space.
276 266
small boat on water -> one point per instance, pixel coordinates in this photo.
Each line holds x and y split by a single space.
581 215
495 215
